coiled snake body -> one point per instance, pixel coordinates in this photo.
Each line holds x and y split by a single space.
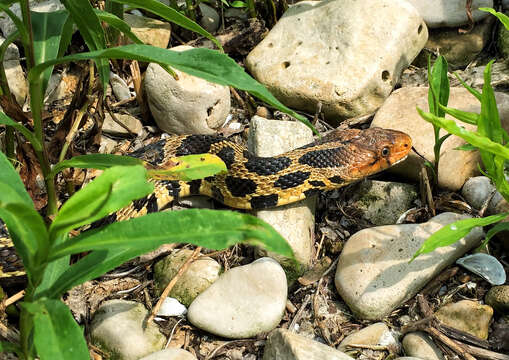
252 182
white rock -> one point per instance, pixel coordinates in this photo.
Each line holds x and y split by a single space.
170 354
438 13
118 328
14 73
111 127
346 54
295 222
243 302
476 191
420 345
374 275
6 24
189 105
150 31
209 17
119 87
285 345
373 334
171 307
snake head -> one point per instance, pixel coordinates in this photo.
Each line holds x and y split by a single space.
376 149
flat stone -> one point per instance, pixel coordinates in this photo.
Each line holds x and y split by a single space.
283 344
498 298
374 275
420 345
373 334
111 127
468 316
119 87
438 13
14 73
199 276
150 31
107 145
118 329
189 105
209 18
476 191
398 112
381 202
170 354
295 222
313 54
244 302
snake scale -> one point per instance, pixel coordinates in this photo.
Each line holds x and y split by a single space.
337 159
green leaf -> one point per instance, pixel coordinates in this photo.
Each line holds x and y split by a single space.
111 191
190 167
10 177
7 347
503 226
208 228
439 86
466 147
238 4
451 233
118 24
47 28
5 120
207 64
470 89
171 15
465 116
504 19
56 334
16 20
92 32
95 161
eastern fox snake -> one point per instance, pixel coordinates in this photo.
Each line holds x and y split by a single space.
252 182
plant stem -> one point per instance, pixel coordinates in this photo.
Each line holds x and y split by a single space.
29 48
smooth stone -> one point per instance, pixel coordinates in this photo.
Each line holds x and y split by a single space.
313 54
373 334
189 105
209 18
374 275
14 73
398 112
468 316
171 307
150 31
8 27
486 266
381 202
107 145
119 87
118 329
498 298
283 344
111 127
438 13
199 276
295 222
244 302
476 191
420 345
170 354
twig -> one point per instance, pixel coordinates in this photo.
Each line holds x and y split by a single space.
12 299
172 283
172 332
212 354
123 102
9 334
300 312
138 89
115 118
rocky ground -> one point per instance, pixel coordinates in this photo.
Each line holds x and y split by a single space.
352 292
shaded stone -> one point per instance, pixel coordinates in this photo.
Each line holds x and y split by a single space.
150 31
420 345
468 316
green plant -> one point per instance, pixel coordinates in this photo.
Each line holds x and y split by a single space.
47 329
490 139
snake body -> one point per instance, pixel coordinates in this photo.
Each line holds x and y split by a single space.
251 182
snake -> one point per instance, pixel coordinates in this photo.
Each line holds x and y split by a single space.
251 182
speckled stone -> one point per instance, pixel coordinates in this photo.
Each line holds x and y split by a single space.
468 316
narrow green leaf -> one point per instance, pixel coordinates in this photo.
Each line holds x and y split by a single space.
16 20
207 64
238 4
118 24
111 191
208 228
66 37
451 233
466 147
470 89
190 167
56 334
7 347
503 226
439 86
47 28
95 161
5 120
171 15
10 177
465 116
504 19
489 121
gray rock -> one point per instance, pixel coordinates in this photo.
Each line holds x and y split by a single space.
476 191
313 54
189 105
398 112
170 354
111 127
486 266
374 334
505 4
295 222
119 87
503 39
498 298
382 202
468 316
374 275
118 329
285 345
209 18
107 145
14 73
6 24
150 31
438 13
420 345
198 277
244 302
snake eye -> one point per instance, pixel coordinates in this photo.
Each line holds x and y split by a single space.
385 151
